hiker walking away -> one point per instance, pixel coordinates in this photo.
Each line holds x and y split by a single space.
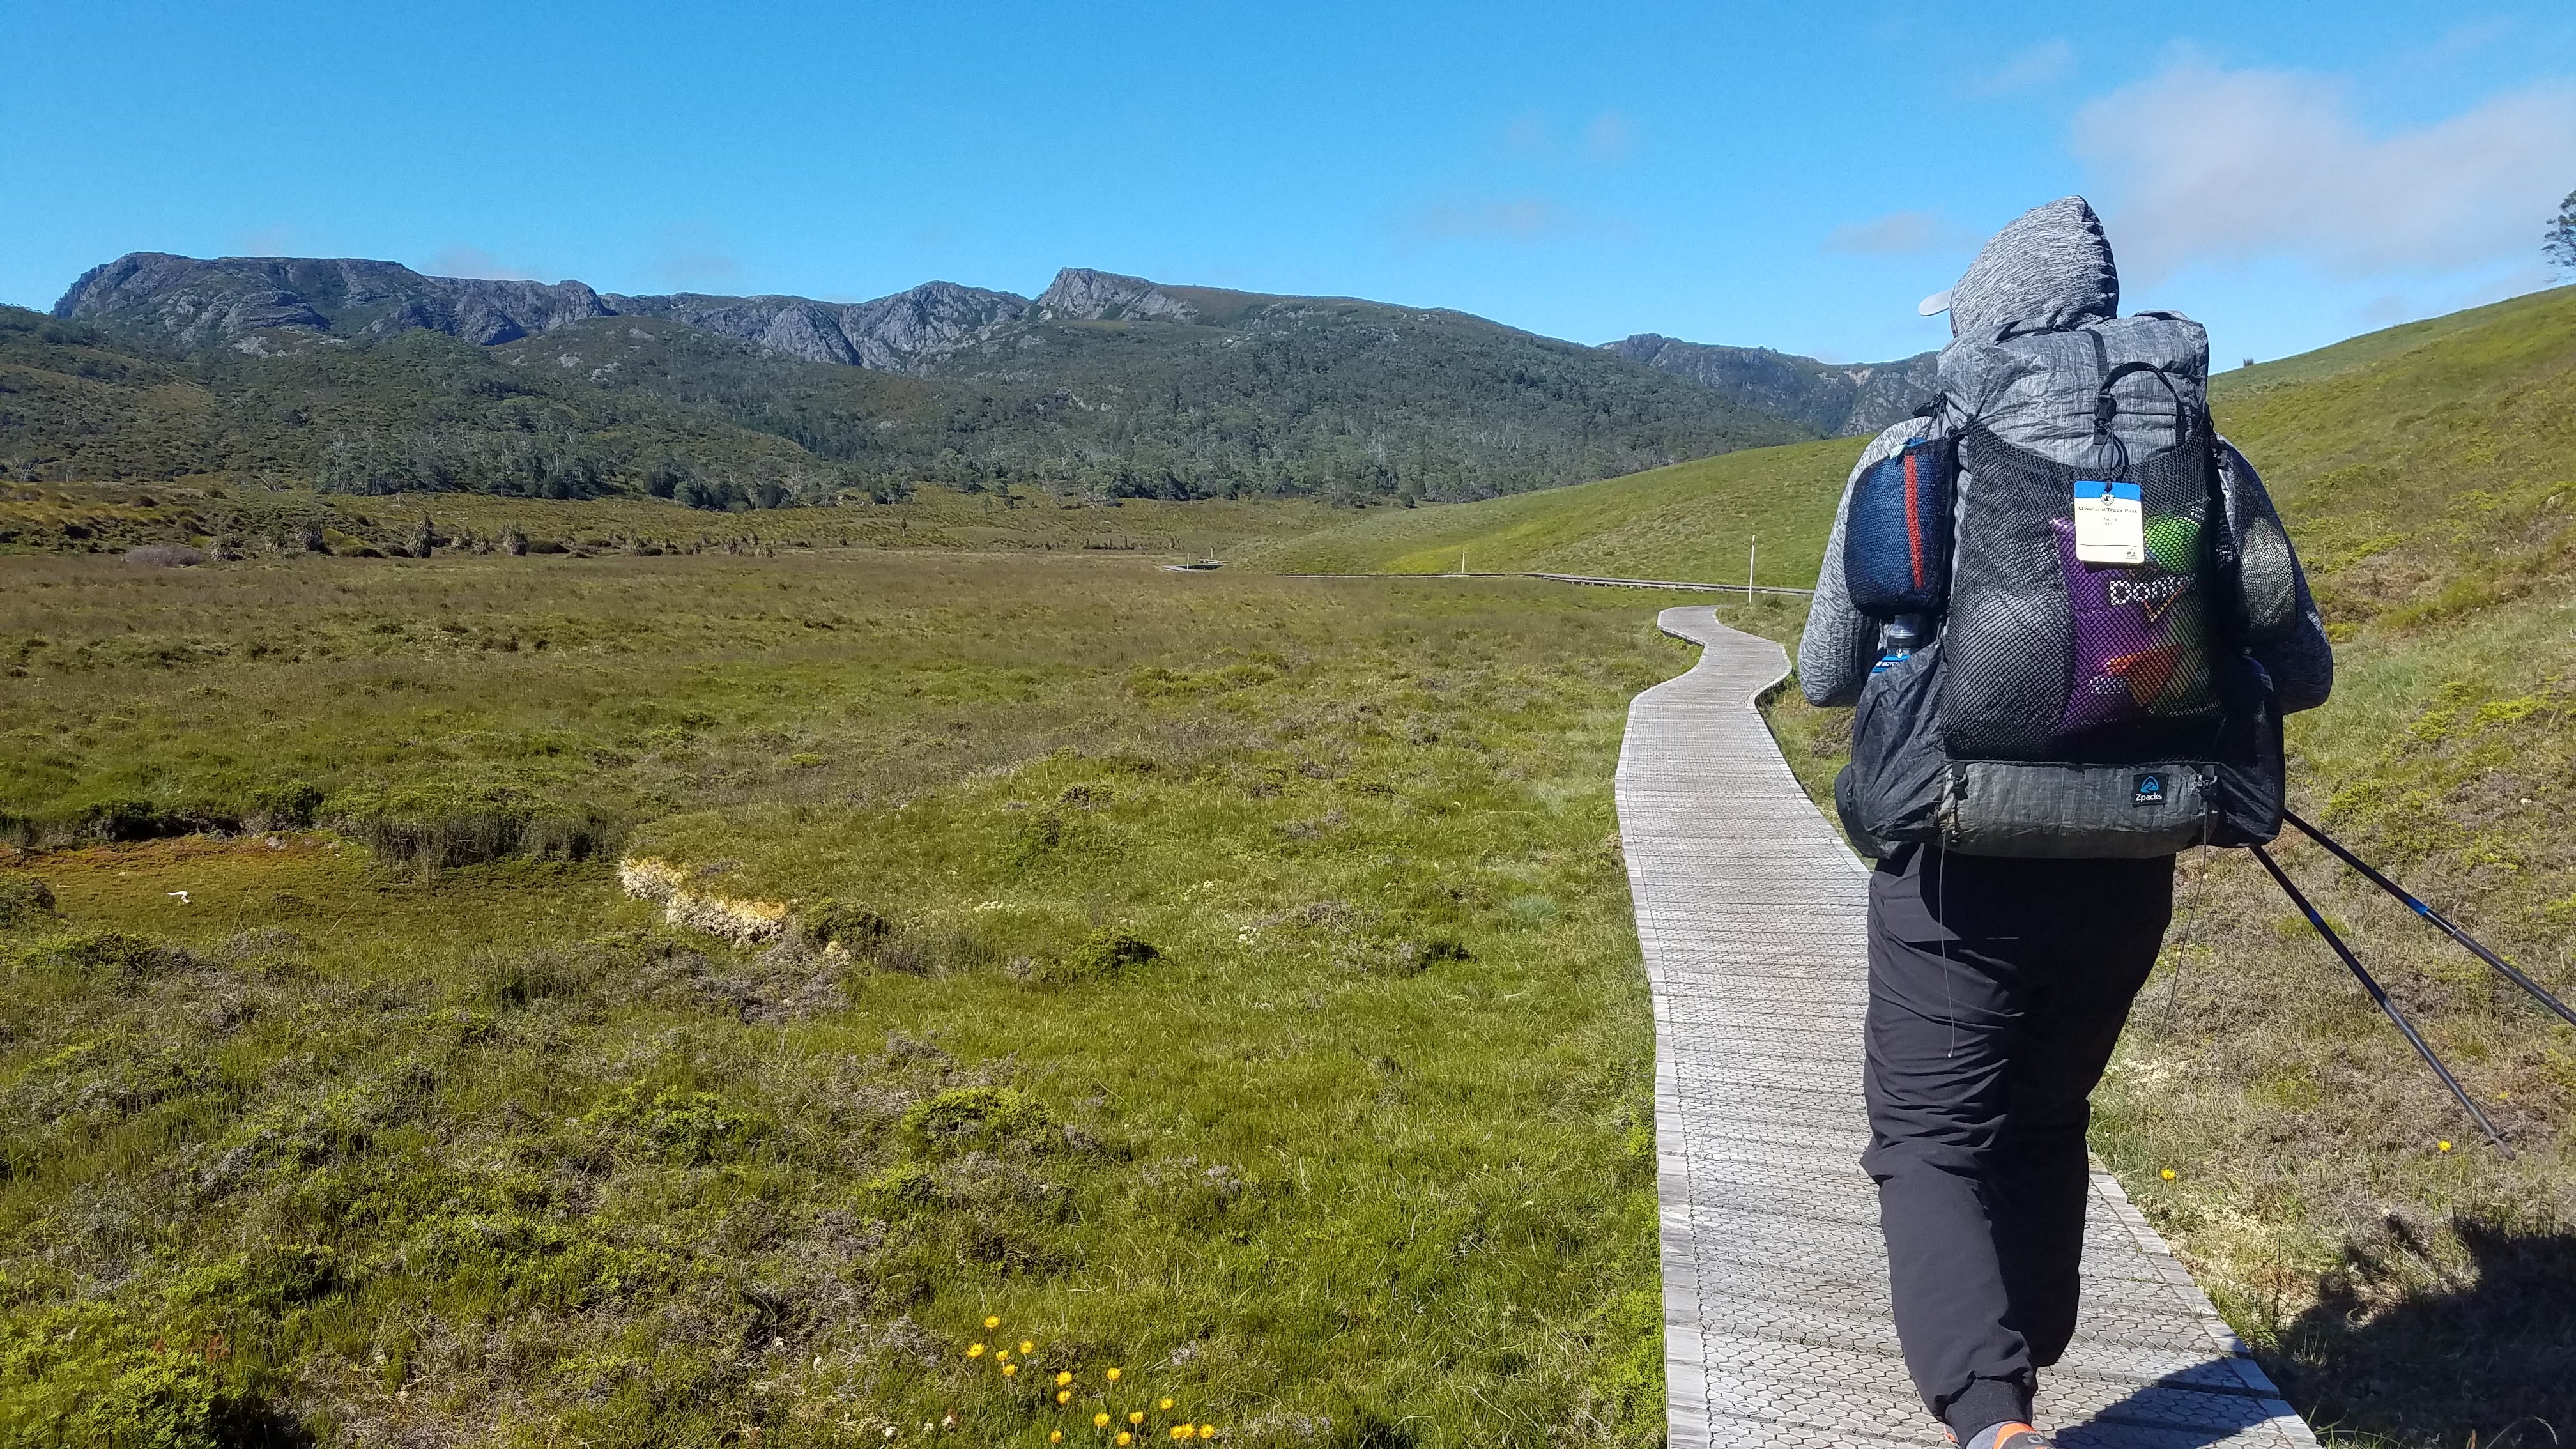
2070 622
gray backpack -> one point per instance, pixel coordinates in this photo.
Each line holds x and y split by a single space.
2079 675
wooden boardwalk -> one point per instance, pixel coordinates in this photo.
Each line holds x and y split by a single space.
1750 908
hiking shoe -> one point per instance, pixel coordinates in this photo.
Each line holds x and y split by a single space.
2011 1434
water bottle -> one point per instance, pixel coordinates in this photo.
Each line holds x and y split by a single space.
1898 638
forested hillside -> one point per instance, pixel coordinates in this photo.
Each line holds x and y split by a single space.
367 377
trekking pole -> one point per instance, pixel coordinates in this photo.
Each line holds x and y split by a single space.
2440 921
2381 996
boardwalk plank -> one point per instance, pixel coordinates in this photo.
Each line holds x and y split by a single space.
1750 908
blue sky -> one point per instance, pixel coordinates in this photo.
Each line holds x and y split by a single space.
1795 176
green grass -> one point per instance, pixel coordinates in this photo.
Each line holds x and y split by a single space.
1691 522
1359 1152
453 1140
260 522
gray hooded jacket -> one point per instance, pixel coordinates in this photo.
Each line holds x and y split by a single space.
2049 270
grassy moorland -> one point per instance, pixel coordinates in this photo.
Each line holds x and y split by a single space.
1222 978
1225 980
220 514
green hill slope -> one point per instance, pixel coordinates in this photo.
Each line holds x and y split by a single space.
2419 464
1689 521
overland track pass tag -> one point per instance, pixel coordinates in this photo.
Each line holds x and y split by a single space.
2110 523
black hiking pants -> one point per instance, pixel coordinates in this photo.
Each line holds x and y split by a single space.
1996 991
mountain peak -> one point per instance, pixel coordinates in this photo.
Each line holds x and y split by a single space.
1080 294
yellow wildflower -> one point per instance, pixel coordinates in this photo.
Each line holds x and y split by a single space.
2445 1146
1137 1417
1180 1431
1100 1420
1125 1439
1027 1347
1056 1438
2167 1174
1165 1406
992 1323
1009 1369
1064 1396
1207 1431
1061 1379
974 1350
1113 1376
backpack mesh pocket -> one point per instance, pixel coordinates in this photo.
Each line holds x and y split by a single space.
2141 635
1896 535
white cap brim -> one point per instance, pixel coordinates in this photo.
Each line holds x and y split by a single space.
1934 305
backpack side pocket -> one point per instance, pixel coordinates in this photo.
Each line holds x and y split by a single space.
1896 534
1894 780
2252 770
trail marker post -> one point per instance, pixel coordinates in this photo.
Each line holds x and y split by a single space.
1749 550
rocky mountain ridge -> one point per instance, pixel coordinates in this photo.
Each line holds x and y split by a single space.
227 300
1835 400
231 300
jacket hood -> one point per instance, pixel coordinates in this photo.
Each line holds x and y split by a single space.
2049 270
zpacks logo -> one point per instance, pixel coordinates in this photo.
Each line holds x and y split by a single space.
2150 790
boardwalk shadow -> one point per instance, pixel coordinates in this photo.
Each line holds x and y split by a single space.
2151 1415
2422 1338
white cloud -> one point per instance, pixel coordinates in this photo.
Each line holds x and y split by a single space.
1898 234
2042 64
464 261
2202 165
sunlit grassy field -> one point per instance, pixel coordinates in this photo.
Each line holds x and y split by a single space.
677 989
258 521
1698 522
1225 980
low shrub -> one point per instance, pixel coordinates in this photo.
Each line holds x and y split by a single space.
849 925
1103 953
677 1126
107 956
990 1119
24 898
433 827
288 806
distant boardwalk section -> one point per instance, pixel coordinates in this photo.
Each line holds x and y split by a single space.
1750 909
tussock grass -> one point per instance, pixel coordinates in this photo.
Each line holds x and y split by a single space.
1222 978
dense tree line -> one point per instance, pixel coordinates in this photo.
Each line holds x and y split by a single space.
1353 402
